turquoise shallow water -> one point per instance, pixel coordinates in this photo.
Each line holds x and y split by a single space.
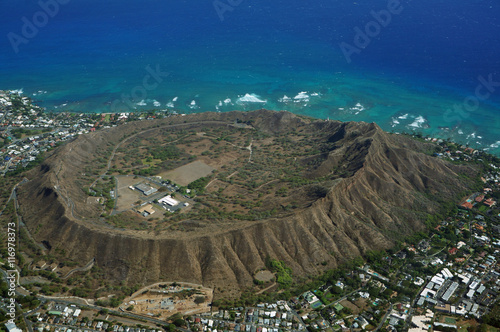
92 54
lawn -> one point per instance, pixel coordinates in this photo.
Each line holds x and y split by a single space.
464 325
449 320
338 307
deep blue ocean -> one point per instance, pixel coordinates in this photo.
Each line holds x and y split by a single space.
430 66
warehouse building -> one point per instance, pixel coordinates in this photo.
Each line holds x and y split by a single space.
145 189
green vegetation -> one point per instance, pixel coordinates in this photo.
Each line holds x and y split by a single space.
283 273
127 221
493 317
113 302
199 185
165 153
177 320
32 164
199 299
20 132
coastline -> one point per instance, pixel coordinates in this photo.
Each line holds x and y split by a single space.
424 118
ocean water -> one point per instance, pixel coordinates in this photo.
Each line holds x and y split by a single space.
420 66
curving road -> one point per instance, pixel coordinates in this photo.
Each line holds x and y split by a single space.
81 269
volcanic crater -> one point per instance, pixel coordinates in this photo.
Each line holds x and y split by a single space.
311 193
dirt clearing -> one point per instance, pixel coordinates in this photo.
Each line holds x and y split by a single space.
126 196
186 174
264 276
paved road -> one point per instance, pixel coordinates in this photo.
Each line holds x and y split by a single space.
384 319
410 312
13 193
81 269
20 222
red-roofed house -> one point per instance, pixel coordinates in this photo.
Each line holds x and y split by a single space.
479 198
453 251
469 150
468 205
490 202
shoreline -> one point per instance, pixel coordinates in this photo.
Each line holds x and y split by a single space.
412 124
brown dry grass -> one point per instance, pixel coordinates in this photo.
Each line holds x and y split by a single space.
186 174
348 304
264 276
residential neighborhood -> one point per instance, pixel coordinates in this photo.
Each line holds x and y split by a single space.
26 130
